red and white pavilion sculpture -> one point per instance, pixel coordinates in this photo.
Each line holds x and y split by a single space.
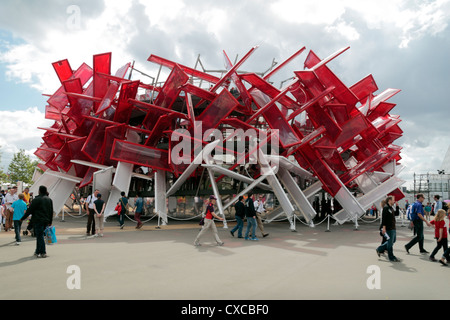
339 137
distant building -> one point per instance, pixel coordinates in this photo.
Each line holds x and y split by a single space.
431 184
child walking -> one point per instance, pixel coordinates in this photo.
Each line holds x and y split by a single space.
440 233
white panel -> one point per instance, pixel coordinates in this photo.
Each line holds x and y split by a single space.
297 195
60 192
113 199
274 214
313 189
122 177
276 186
89 164
46 179
102 182
160 195
292 167
351 207
380 192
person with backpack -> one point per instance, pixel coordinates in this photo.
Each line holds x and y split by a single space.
418 218
123 209
209 223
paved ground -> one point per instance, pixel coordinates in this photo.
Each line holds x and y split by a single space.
163 264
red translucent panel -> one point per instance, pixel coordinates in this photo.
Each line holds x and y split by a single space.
244 95
124 108
140 155
178 169
365 87
311 60
199 92
392 134
329 79
85 128
330 154
276 120
312 85
322 171
163 123
59 100
154 113
265 87
83 106
88 177
108 98
381 110
63 70
369 163
122 71
171 88
53 141
339 111
112 133
76 154
189 71
232 69
102 64
51 165
51 113
238 124
283 64
217 110
63 157
44 155
397 194
319 117
92 146
350 130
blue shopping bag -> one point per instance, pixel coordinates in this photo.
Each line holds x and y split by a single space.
50 235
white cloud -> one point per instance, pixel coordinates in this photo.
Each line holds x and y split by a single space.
20 131
344 29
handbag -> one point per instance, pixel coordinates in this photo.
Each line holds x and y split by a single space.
118 208
202 221
50 235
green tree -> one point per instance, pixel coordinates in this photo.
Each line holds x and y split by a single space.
21 167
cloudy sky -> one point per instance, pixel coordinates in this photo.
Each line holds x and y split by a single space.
403 44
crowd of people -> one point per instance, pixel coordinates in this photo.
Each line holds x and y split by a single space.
38 212
418 217
247 207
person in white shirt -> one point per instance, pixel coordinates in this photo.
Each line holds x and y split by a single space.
259 207
10 197
91 212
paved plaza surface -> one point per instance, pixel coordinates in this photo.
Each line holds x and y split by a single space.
163 264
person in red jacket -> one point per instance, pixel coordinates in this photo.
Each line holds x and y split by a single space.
440 233
209 223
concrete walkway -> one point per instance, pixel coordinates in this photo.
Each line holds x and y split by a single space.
163 264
